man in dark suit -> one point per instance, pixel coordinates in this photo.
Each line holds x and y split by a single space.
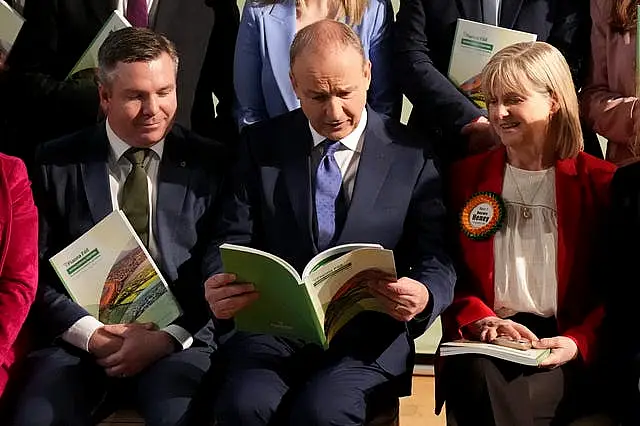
56 34
334 172
170 183
424 33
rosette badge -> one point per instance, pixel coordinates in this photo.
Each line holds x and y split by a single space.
482 215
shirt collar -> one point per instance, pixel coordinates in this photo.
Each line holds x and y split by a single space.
351 140
118 146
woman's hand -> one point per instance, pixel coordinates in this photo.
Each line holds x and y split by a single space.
563 350
488 328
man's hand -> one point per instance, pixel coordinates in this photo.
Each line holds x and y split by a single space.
402 299
563 350
102 343
226 297
481 136
488 328
142 345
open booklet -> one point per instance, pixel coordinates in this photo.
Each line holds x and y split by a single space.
311 307
109 272
474 44
10 25
89 58
531 357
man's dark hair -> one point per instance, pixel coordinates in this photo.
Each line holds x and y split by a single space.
130 45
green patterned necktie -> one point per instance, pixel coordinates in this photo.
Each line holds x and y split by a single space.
135 193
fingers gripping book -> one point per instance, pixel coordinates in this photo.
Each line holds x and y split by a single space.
315 305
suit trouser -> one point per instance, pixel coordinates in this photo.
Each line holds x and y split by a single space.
277 381
63 386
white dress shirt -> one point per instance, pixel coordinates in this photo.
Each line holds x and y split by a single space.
119 167
525 250
348 154
152 7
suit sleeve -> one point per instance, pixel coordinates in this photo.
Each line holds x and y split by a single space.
53 309
570 35
426 221
19 276
217 77
429 91
38 87
613 115
247 71
383 95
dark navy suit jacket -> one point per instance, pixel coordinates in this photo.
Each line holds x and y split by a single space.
73 194
396 202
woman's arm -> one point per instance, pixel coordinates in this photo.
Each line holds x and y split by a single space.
247 70
613 115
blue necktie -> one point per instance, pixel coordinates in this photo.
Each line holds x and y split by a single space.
328 185
490 12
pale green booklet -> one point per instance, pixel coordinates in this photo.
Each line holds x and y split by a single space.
531 357
312 306
110 273
10 25
89 58
474 44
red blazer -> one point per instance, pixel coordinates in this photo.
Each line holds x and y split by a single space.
18 259
582 194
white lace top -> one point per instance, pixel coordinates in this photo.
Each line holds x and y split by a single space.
525 247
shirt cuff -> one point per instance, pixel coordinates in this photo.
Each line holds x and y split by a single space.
81 331
182 336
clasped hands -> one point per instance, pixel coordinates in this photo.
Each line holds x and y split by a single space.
126 349
563 349
402 298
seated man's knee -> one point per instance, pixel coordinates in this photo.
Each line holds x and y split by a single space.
315 407
245 405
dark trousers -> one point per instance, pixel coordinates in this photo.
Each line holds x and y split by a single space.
276 381
486 391
63 386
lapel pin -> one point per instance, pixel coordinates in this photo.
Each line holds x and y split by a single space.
183 164
482 215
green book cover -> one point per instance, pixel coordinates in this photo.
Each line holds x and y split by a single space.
283 307
311 307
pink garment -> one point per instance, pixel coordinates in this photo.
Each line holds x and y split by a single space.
608 102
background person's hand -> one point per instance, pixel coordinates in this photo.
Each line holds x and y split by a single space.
226 297
488 328
481 136
142 345
563 350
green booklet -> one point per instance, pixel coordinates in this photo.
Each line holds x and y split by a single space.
531 357
109 272
312 306
89 58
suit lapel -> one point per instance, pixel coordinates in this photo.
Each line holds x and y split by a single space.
296 169
173 184
470 9
165 12
480 253
95 175
279 29
378 154
568 200
102 8
509 11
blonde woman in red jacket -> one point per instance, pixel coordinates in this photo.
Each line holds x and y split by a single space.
530 214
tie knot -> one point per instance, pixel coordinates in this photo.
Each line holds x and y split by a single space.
136 156
330 147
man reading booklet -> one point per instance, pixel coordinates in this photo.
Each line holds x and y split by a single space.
331 173
170 185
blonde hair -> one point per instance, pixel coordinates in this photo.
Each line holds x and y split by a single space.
538 66
352 10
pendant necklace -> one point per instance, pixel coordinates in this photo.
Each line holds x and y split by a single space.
526 207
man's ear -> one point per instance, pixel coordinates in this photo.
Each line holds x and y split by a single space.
105 97
294 84
367 72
